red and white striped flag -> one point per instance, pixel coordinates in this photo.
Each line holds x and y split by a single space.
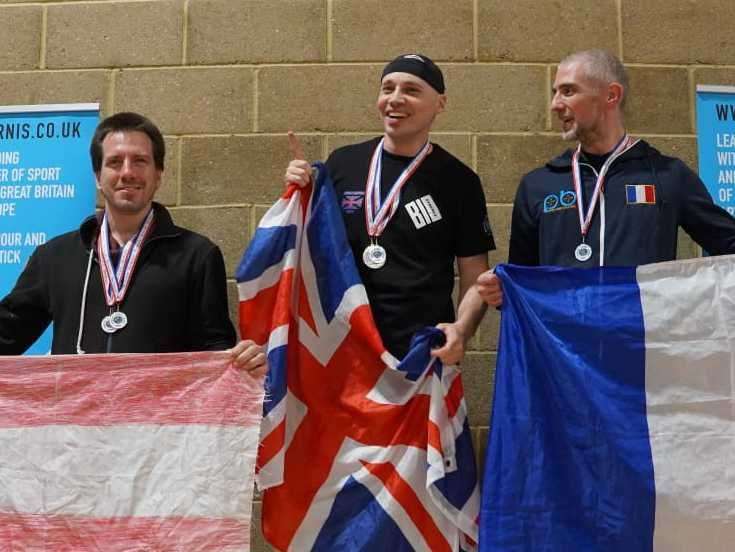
127 452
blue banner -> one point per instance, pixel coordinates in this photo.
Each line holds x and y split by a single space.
47 186
716 138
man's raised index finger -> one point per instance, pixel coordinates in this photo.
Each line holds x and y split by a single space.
294 144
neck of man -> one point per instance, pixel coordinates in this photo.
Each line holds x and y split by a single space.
604 141
407 147
123 226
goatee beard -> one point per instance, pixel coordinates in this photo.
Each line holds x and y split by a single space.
569 135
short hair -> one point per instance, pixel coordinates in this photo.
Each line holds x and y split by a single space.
127 121
602 66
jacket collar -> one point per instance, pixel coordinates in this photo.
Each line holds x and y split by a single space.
641 150
163 226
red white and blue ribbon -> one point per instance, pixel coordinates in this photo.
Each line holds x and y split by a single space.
585 219
116 281
377 214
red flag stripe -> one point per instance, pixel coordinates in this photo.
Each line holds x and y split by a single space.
102 390
435 439
454 396
650 192
271 445
39 532
257 325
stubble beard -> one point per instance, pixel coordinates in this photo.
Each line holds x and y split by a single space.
571 135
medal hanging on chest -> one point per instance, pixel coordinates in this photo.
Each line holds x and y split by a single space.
378 213
583 251
374 256
116 280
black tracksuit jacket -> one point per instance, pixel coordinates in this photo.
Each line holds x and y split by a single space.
545 227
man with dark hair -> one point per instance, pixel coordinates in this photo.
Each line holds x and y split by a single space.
613 200
128 280
128 122
410 210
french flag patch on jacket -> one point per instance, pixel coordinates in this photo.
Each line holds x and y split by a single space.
640 193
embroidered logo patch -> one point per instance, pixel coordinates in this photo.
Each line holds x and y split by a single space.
352 201
640 194
423 211
563 200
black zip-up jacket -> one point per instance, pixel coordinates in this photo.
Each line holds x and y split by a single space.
545 228
177 300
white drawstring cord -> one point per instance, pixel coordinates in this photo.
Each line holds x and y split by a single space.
80 351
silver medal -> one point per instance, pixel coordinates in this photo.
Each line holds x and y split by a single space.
374 256
583 252
116 280
118 320
107 326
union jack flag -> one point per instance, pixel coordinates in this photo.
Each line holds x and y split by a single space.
358 450
352 201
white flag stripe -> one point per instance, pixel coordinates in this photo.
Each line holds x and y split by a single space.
140 470
690 393
270 277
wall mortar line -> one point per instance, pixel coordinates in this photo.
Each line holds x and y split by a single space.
476 30
256 115
185 34
44 38
110 107
330 30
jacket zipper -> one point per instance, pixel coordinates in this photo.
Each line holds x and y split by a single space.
601 236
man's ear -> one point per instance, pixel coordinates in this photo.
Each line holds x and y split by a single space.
615 92
442 103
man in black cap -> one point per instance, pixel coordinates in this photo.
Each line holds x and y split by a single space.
410 209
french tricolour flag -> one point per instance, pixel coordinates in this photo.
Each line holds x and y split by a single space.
613 421
640 193
127 452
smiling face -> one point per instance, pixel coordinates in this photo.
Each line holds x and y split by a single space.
579 102
128 178
408 106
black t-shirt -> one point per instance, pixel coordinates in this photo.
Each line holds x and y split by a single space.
596 161
441 215
392 167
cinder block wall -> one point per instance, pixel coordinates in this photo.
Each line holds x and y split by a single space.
225 80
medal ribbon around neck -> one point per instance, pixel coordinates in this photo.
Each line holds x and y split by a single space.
585 220
378 215
115 282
